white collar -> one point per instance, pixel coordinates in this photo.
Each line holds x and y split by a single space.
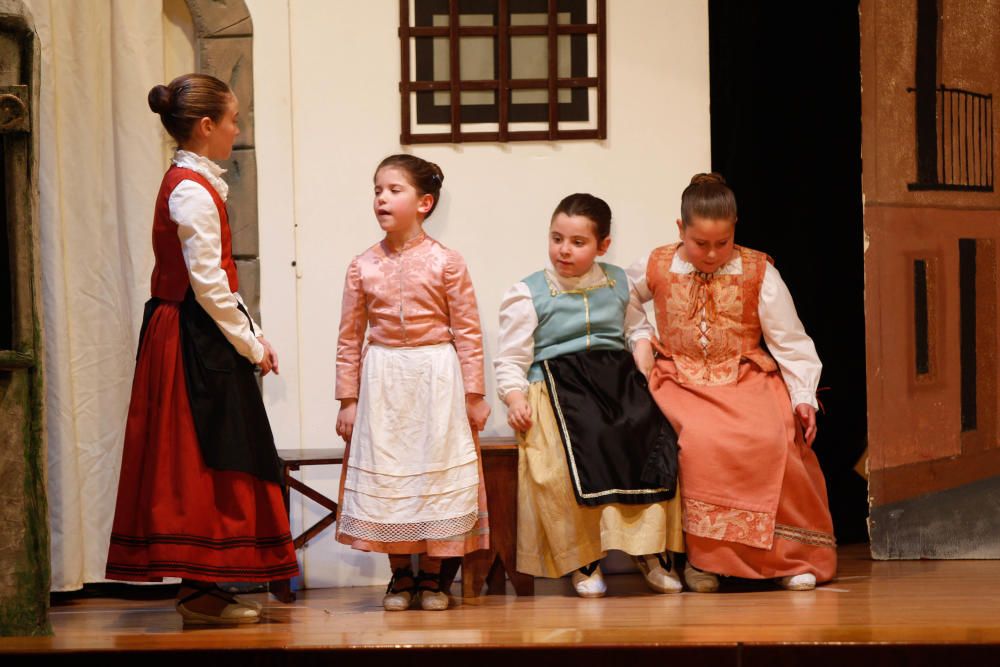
592 277
733 267
202 165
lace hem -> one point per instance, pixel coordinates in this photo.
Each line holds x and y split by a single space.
440 529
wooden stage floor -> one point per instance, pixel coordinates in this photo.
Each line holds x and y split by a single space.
898 612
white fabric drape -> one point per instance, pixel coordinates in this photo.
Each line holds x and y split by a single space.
100 166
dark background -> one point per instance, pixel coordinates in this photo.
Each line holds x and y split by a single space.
786 134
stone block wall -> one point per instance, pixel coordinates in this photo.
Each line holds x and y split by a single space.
224 34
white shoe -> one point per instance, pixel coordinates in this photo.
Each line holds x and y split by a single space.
659 572
798 582
699 581
592 586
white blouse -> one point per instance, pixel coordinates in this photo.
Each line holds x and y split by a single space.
518 321
200 231
786 338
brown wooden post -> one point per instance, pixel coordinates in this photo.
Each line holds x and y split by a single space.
24 532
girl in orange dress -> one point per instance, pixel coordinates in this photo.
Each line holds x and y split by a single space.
412 481
754 498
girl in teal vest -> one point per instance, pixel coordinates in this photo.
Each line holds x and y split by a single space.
598 463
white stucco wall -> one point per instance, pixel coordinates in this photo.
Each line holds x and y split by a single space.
327 110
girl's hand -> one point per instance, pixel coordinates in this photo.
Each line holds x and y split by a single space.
270 361
478 411
345 418
807 417
518 411
642 352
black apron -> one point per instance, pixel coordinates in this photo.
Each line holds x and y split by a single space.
226 405
619 446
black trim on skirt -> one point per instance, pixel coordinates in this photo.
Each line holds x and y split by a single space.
619 447
233 431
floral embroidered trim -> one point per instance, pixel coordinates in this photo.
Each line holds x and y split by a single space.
811 537
728 524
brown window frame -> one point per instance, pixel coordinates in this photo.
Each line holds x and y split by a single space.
503 84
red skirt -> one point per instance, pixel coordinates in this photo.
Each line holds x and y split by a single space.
175 517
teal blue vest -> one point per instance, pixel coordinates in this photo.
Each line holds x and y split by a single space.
576 320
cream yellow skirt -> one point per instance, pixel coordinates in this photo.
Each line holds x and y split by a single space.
555 535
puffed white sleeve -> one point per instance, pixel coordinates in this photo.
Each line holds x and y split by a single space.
637 326
787 339
637 275
199 230
516 340
257 331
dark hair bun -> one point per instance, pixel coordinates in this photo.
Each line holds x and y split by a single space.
706 179
438 175
159 99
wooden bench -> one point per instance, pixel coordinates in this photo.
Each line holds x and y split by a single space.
490 566
487 567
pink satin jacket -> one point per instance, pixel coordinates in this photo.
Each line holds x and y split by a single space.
419 295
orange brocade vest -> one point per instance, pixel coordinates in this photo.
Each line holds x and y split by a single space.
708 323
170 280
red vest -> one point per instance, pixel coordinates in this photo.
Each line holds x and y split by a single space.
170 279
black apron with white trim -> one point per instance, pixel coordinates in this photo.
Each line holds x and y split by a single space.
619 446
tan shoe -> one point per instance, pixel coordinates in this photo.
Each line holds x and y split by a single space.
589 584
399 597
699 581
231 614
432 598
400 601
250 604
237 599
798 582
660 573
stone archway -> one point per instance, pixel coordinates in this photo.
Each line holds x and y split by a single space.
224 49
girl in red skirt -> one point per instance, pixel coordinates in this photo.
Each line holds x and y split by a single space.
754 499
199 495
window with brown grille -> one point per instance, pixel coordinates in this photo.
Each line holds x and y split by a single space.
502 70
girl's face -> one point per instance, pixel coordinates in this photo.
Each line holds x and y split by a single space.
573 245
398 205
707 242
221 135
